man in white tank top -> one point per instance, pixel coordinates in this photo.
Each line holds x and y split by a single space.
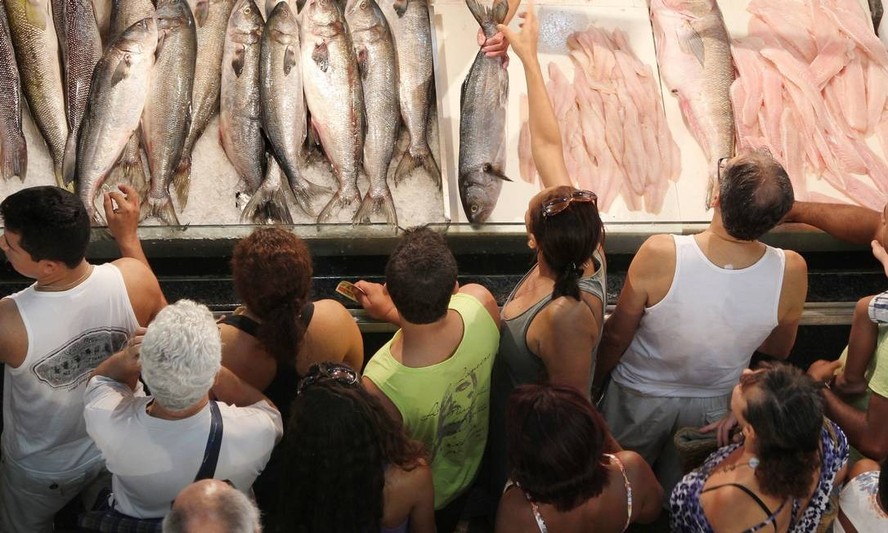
694 309
52 335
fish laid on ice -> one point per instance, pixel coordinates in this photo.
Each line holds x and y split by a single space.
13 147
81 50
211 20
694 54
129 168
412 33
36 51
482 123
283 104
379 73
334 96
167 113
119 90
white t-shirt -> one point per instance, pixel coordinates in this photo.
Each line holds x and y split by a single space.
152 459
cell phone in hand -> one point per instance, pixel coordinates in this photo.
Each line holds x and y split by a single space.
349 290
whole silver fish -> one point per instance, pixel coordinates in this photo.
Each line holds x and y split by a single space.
482 122
694 55
167 112
82 49
378 65
119 90
240 121
334 96
36 51
211 19
13 147
283 104
412 33
129 168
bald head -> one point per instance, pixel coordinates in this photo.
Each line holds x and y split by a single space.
212 506
754 195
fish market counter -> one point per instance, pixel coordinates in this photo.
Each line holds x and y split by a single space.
194 263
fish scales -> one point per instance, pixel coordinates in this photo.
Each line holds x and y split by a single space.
36 50
378 64
167 113
482 124
117 97
13 147
334 96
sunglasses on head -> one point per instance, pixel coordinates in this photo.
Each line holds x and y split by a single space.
328 371
553 206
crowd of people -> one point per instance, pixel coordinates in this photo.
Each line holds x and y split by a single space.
160 417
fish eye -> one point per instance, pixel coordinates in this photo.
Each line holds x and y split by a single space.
475 208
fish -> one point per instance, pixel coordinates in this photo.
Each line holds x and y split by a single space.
694 56
129 168
283 104
268 205
117 97
240 120
167 112
412 33
81 46
102 9
482 122
13 146
334 96
36 51
211 19
378 65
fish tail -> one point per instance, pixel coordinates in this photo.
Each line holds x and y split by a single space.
15 159
340 201
161 208
304 192
267 206
489 15
374 205
69 159
409 162
182 179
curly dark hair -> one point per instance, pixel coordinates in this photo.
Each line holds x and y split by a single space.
754 195
555 444
339 441
272 275
786 412
420 276
52 222
567 239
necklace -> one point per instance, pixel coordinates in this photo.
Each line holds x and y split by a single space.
52 288
752 464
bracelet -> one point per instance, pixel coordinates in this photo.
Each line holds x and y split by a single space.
829 383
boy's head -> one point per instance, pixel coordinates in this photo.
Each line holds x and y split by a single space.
420 276
50 223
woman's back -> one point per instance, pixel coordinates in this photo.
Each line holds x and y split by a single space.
408 500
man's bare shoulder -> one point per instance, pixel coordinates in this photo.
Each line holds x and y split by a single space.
132 269
657 251
13 335
795 264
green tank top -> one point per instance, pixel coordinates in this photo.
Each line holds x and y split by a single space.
446 405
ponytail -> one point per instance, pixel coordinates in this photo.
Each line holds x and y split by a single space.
568 281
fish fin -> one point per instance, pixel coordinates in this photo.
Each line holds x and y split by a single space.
481 13
500 10
15 159
409 162
693 43
201 12
375 204
290 59
462 92
336 204
161 208
304 192
161 39
362 62
267 206
489 169
237 64
400 7
321 56
122 70
181 181
299 5
69 159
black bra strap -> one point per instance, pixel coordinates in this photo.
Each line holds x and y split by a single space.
214 444
747 491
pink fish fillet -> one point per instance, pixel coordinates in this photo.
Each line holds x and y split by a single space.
793 159
876 94
854 95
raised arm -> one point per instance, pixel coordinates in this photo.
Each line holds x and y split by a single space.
792 302
545 136
847 222
123 221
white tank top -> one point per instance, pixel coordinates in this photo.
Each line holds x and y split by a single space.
699 338
69 334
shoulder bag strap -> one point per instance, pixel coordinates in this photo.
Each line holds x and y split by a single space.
214 443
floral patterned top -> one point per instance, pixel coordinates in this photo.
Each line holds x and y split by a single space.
687 513
859 501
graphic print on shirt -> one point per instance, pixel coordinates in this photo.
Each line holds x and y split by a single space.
70 365
457 412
